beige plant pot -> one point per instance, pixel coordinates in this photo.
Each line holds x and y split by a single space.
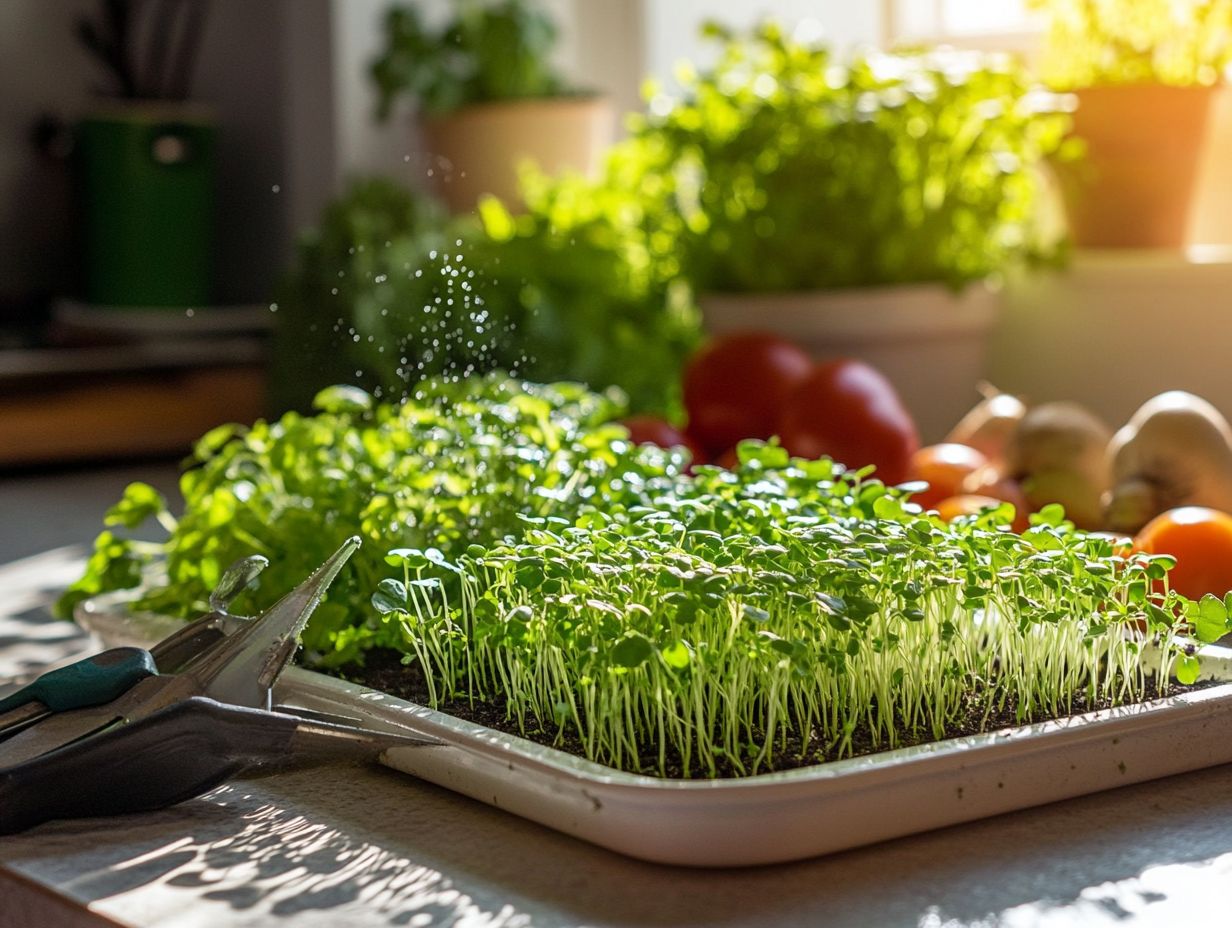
930 342
1136 187
479 149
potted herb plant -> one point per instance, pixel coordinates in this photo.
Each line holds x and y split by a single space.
144 159
1145 74
862 208
488 98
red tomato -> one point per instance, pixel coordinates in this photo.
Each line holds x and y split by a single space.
969 504
944 468
848 411
1201 541
729 459
736 386
652 430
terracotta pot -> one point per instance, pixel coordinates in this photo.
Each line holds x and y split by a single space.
930 342
1136 187
478 149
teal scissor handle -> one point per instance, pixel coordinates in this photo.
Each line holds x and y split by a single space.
89 682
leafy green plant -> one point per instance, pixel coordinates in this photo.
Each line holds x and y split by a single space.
492 50
455 464
390 291
789 169
1094 42
594 294
518 550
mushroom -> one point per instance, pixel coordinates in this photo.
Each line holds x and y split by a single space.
1058 454
989 425
1176 450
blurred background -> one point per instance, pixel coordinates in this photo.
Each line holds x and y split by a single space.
210 209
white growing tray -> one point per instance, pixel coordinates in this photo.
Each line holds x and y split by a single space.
771 817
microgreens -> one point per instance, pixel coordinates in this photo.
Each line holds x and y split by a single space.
521 552
789 596
456 463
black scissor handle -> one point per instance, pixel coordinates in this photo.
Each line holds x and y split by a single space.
172 755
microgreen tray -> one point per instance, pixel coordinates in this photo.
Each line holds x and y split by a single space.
772 817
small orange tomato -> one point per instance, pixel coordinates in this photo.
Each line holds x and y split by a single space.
1201 541
943 467
969 504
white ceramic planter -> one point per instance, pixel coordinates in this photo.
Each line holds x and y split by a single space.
930 342
771 817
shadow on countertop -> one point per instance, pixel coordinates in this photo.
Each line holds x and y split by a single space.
341 846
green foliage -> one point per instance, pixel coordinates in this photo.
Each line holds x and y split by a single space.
1094 42
593 297
789 595
458 463
492 50
517 548
390 291
788 169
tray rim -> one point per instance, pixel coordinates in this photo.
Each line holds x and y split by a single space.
559 762
774 817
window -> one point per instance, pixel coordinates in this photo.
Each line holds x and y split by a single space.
991 24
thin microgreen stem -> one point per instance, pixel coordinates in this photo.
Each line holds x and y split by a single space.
707 628
521 551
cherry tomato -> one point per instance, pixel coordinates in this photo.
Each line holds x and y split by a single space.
848 411
729 459
1201 541
943 467
735 387
652 430
968 504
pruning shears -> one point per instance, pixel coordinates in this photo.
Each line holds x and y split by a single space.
132 730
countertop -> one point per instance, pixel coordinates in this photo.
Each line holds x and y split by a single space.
355 846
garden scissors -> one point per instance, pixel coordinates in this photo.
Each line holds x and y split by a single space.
132 730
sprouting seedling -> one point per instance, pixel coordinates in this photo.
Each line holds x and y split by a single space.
710 623
521 550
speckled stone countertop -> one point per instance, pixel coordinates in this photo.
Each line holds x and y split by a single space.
354 846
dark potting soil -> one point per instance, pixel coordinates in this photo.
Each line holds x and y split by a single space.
383 670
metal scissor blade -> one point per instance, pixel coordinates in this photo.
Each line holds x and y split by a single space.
241 669
179 752
53 732
177 649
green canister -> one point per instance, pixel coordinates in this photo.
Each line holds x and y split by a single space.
145 192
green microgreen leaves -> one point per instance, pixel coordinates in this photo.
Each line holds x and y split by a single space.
390 596
521 551
631 652
709 617
1212 618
